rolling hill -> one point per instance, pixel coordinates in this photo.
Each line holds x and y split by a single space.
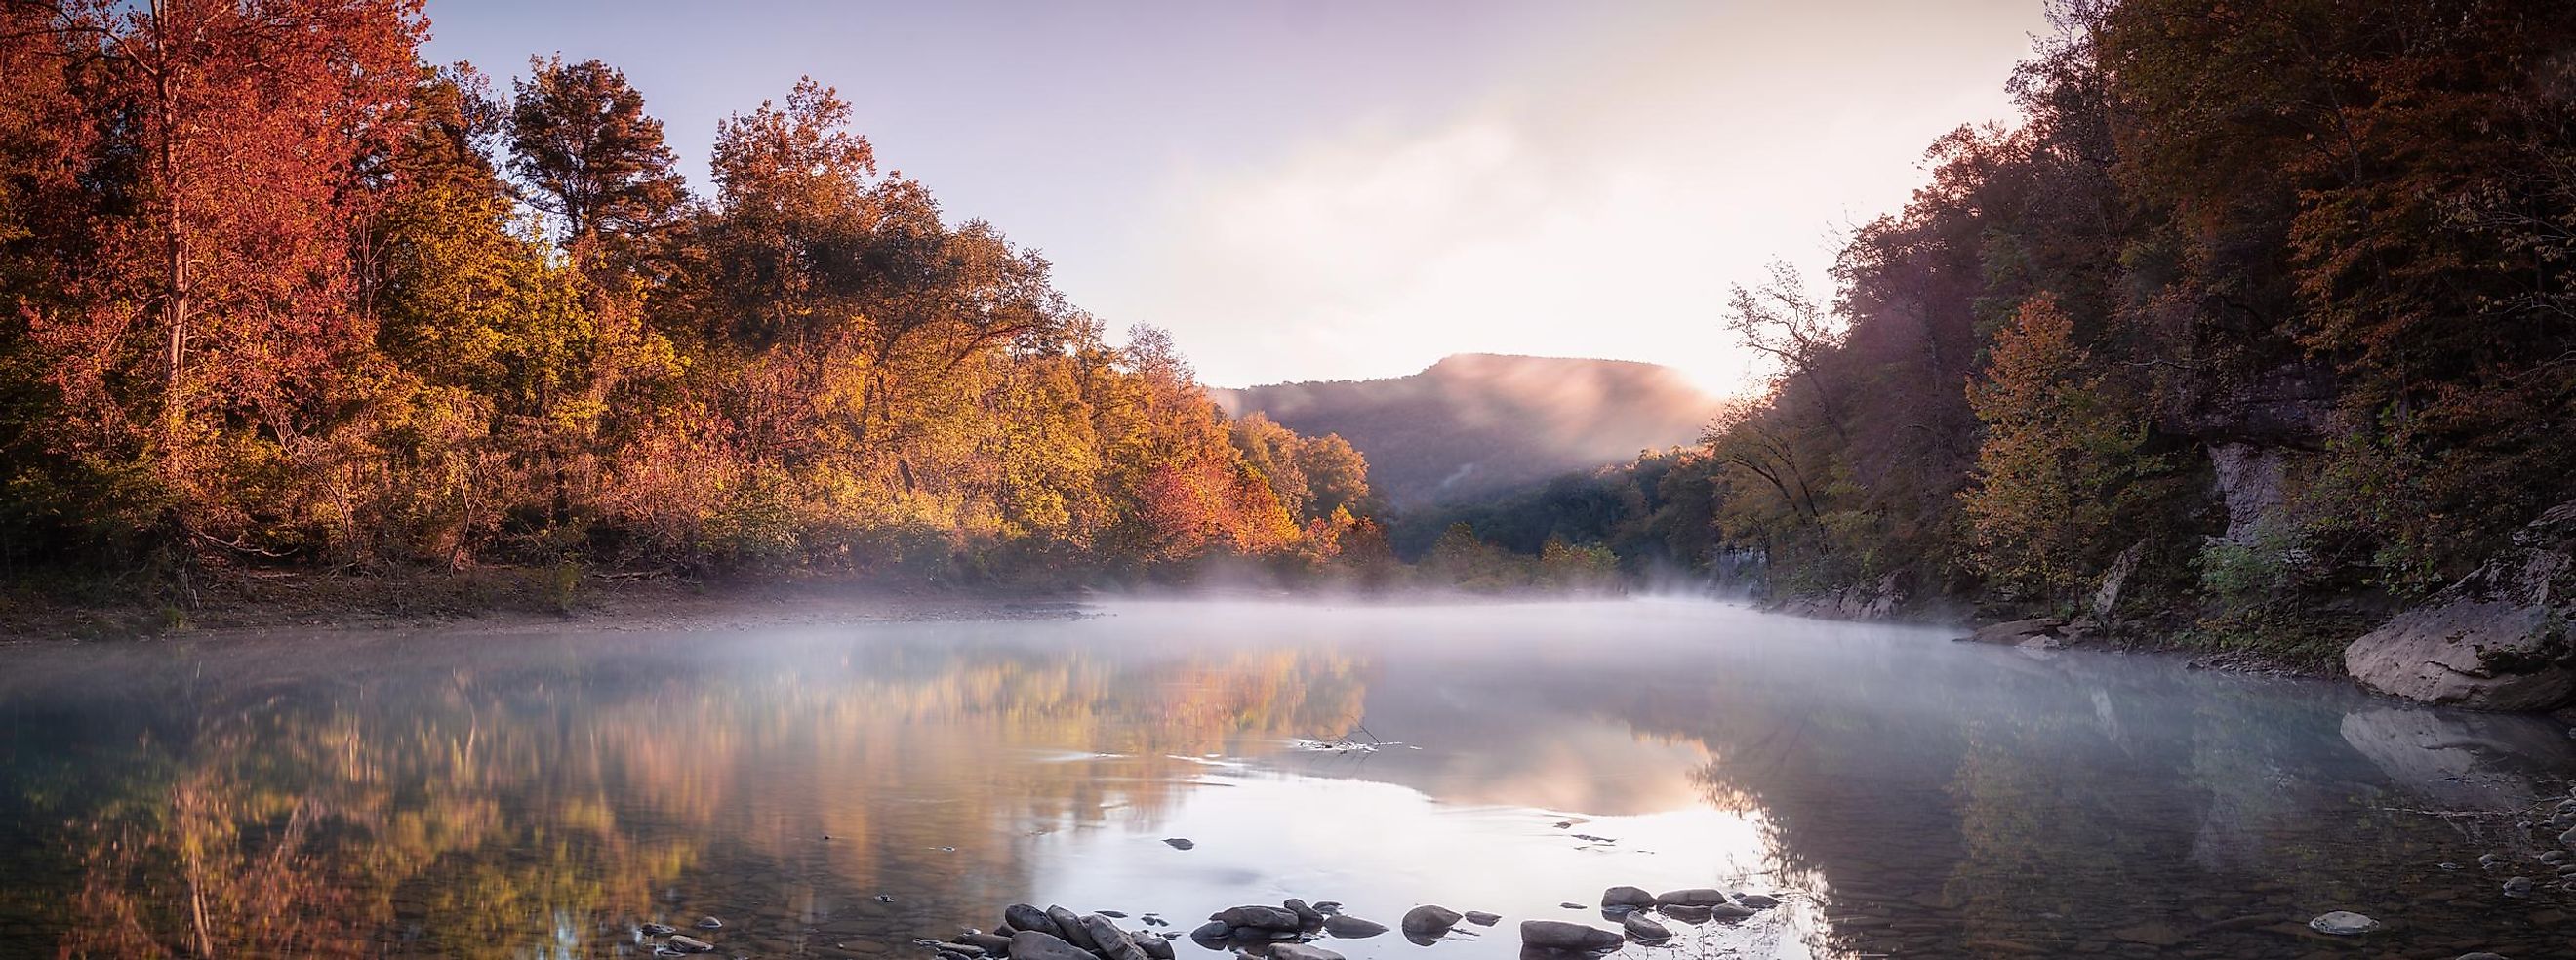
1477 424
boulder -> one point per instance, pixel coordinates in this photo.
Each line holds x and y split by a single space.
1032 945
1626 897
1560 935
1428 920
1352 927
1155 947
1210 932
2499 639
1257 917
1112 942
1068 926
1021 916
1306 915
1645 929
1300 951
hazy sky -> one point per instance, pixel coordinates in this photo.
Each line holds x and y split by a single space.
1321 190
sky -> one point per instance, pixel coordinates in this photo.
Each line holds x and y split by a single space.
1334 189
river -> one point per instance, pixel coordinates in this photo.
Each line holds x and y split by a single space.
839 790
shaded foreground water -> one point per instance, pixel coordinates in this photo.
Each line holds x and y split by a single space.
838 791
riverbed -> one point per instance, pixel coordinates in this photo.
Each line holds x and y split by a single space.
840 789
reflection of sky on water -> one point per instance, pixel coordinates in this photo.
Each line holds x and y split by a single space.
434 793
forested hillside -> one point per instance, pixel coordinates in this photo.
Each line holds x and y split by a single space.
276 292
1476 424
2260 316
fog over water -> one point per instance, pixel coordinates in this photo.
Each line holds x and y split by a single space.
472 793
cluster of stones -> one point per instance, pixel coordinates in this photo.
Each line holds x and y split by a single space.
1286 931
677 944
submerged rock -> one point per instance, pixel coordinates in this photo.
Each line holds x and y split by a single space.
2019 632
709 923
2517 886
687 944
1627 897
1306 915
1300 951
657 929
1430 920
992 944
1032 945
1211 932
2343 923
1560 935
2497 640
1352 927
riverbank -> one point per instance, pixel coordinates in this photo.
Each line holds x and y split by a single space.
493 597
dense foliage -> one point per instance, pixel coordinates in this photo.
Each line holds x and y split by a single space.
277 292
2267 302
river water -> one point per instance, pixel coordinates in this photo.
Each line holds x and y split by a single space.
836 791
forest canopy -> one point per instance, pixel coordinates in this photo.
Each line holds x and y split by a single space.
279 292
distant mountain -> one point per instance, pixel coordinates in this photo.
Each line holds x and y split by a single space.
1476 424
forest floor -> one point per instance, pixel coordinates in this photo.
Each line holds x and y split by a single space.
493 598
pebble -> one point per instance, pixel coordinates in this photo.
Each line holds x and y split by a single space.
2343 923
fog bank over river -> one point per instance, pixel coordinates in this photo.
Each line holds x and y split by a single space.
837 790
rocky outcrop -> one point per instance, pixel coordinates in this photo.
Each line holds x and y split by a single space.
1876 600
2500 639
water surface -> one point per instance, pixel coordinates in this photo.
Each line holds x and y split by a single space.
835 791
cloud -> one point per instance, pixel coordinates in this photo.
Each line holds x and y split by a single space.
1596 207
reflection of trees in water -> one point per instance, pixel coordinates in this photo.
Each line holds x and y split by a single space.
491 812
2078 803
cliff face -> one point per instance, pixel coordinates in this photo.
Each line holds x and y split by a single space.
1475 424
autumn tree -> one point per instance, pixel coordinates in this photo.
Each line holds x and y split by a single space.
2060 464
588 154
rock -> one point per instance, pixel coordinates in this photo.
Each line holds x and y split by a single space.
1692 897
1560 935
952 953
1729 911
1032 945
1481 918
1430 920
1209 932
1626 897
1021 916
657 929
709 923
2496 640
991 944
1068 926
2568 838
1110 941
1328 907
1758 901
687 944
2481 955
1640 927
1179 843
1306 916
1686 914
1300 951
2019 632
1353 927
1112 914
1155 947
2517 886
1258 918
2343 923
